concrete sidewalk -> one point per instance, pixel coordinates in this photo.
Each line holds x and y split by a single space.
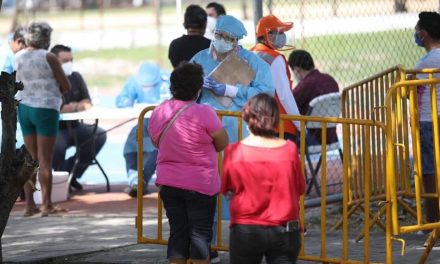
99 228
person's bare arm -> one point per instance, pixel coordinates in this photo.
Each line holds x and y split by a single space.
58 73
76 106
221 139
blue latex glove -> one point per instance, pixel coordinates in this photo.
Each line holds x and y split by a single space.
211 84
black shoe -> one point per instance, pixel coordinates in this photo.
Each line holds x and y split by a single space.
132 191
75 184
214 257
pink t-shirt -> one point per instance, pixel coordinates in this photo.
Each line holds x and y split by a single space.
187 157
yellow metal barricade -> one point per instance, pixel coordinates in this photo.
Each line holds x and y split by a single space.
379 133
323 255
406 91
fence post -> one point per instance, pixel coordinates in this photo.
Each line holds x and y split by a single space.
258 10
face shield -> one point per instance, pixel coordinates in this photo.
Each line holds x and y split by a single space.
280 39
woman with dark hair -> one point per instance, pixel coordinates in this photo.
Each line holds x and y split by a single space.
188 136
39 110
262 176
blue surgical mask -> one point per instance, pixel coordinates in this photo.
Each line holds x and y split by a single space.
222 46
418 40
280 40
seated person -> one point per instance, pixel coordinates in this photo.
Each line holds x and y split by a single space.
90 142
149 85
311 83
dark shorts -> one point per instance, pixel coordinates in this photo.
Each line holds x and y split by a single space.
39 121
248 244
190 215
427 148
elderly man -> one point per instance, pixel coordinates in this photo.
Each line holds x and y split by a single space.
228 31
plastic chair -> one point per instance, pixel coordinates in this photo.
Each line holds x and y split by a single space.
327 105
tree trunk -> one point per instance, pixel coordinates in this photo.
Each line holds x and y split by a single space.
16 165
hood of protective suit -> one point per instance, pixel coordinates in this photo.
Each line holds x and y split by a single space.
148 74
231 25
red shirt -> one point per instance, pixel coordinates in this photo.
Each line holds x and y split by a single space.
266 183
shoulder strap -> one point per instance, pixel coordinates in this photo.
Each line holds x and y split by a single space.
170 123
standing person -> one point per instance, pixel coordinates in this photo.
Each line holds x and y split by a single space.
38 112
214 10
262 175
149 85
7 52
228 31
7 64
185 47
188 136
90 140
427 36
271 37
311 83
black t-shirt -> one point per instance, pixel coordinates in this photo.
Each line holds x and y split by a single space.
78 92
185 47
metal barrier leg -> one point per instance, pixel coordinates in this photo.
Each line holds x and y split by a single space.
95 161
313 182
349 213
432 239
375 219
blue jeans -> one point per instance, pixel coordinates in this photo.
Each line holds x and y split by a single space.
190 215
131 166
89 146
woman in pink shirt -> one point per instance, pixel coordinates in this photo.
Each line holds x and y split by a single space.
262 174
188 136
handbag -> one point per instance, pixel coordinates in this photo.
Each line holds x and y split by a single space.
170 123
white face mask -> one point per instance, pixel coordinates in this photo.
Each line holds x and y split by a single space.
67 68
222 46
210 27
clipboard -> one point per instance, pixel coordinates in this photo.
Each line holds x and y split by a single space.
232 70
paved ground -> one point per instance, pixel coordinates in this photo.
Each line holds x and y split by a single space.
99 228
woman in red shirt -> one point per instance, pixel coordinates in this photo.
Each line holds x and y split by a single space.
262 176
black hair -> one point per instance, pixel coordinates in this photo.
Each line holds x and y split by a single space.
430 21
60 48
19 33
302 59
186 81
219 8
195 17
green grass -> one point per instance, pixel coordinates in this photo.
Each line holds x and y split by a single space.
347 57
353 57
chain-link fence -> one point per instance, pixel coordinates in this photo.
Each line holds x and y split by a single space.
353 39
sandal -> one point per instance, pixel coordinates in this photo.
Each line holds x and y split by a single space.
31 212
53 210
